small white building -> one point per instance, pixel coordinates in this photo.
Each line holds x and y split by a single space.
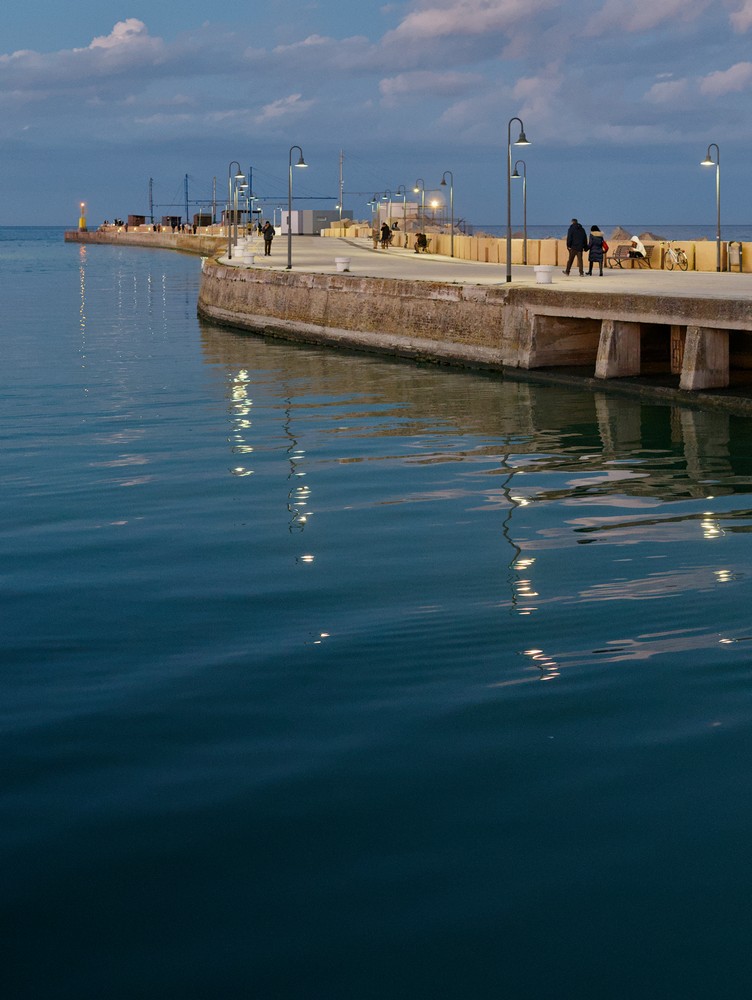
310 221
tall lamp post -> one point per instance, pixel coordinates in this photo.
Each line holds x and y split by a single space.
524 205
451 207
301 163
710 162
521 141
232 197
403 191
387 196
422 190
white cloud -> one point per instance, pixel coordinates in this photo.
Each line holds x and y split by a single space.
421 84
742 18
292 106
639 16
467 17
668 92
124 33
309 42
735 79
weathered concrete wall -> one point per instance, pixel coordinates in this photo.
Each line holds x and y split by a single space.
510 327
473 323
188 243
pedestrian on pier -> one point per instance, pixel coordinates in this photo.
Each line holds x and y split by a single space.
268 232
577 242
596 249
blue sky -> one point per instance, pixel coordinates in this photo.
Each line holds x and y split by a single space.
620 99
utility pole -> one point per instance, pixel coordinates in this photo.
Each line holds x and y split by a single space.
341 181
151 199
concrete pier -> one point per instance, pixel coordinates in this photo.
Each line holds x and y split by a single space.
687 335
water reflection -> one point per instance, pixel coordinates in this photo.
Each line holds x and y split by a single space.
240 422
588 501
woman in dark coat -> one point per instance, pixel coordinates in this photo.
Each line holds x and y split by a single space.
595 249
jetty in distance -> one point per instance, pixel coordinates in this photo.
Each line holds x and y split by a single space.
670 334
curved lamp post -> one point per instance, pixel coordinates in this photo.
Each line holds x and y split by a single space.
422 190
521 141
301 163
403 191
232 198
710 162
387 196
524 205
451 207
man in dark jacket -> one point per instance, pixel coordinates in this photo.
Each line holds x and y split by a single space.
268 231
577 241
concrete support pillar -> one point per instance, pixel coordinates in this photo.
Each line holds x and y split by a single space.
618 349
706 359
678 337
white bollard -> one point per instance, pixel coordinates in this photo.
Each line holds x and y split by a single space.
544 274
342 263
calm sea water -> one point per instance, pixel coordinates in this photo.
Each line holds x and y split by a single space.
326 676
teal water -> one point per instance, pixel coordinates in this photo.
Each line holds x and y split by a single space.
326 676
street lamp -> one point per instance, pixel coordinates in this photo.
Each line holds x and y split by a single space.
521 141
301 163
403 190
524 206
387 196
710 162
451 207
232 195
422 190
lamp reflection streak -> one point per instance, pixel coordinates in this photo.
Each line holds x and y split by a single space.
241 404
298 496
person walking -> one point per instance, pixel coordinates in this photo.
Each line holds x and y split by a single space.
268 232
596 249
577 242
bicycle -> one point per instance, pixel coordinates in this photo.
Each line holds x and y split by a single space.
674 255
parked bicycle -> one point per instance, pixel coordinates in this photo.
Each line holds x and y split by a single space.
675 256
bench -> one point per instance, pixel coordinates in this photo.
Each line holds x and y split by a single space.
622 253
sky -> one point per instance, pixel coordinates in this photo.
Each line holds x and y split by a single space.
619 99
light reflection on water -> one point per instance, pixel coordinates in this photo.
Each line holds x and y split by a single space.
327 675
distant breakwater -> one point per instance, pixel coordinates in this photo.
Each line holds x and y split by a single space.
203 244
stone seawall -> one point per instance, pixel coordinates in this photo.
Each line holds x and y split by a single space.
660 340
462 324
691 344
199 243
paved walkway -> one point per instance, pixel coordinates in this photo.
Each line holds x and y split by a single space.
314 253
